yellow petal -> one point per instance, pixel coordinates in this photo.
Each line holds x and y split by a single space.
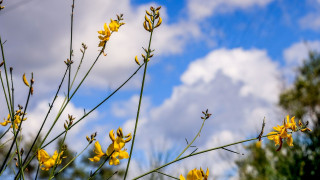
97 149
123 155
110 149
25 80
181 177
290 140
111 135
119 132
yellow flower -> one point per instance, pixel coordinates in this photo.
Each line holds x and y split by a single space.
115 149
104 35
291 124
17 119
114 25
196 175
116 146
46 162
98 151
275 137
282 133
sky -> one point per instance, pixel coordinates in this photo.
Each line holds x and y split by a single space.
231 57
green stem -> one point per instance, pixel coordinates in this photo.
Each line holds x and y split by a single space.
193 138
5 94
69 99
6 73
44 121
101 165
37 173
194 154
74 78
5 132
2 145
70 57
71 161
140 98
95 106
167 175
55 163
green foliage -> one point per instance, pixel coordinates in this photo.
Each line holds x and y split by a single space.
302 161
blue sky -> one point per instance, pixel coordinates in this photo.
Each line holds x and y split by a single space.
232 57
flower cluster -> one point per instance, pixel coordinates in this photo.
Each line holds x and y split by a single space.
196 175
282 132
46 162
115 150
17 119
148 24
104 35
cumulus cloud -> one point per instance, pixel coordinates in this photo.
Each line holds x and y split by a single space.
238 86
203 8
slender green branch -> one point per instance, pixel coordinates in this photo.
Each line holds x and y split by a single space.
14 126
95 106
71 161
194 154
69 99
101 165
5 132
74 78
5 94
44 121
193 139
2 145
37 173
71 51
166 175
6 73
58 156
140 98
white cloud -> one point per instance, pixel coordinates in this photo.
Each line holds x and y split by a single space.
203 8
129 108
310 21
231 64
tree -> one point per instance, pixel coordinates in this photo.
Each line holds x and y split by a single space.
302 161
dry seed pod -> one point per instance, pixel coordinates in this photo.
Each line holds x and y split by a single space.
25 80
